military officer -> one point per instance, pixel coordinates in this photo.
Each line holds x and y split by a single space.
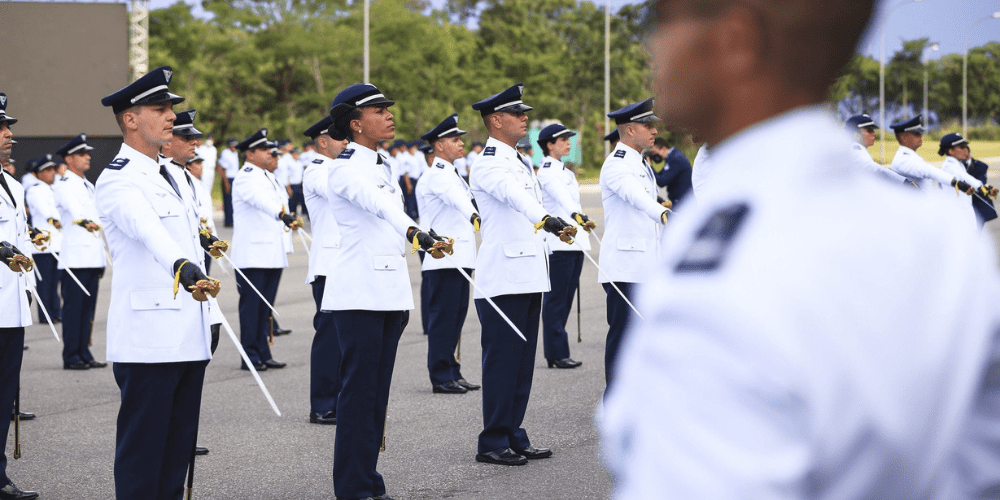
259 244
613 137
159 340
206 211
41 203
909 164
512 263
210 157
324 361
15 304
862 129
82 251
783 355
371 299
227 167
561 198
959 163
445 204
632 220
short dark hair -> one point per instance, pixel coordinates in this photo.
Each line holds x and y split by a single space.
820 33
661 142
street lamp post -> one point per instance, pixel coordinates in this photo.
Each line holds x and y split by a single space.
881 75
965 72
933 47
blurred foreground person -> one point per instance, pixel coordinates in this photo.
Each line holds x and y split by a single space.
782 355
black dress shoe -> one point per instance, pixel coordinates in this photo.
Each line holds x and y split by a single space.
200 450
96 364
11 492
271 363
532 453
257 365
450 387
24 416
503 456
328 418
79 365
564 363
469 386
281 331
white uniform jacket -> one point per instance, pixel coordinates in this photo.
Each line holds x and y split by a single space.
956 169
322 220
149 227
370 268
14 309
209 156
229 160
513 257
909 164
445 204
41 200
862 159
259 239
631 217
783 356
561 197
75 199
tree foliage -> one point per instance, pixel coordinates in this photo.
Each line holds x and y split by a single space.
279 63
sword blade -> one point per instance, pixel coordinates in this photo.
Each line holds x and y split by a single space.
41 306
243 354
249 283
71 275
613 285
303 240
488 300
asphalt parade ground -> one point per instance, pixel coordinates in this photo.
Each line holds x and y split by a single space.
68 450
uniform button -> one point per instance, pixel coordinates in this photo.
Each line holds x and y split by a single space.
156 303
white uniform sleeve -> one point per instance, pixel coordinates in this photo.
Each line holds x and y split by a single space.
958 171
626 186
259 193
501 184
368 198
119 201
40 210
457 199
70 200
555 187
920 169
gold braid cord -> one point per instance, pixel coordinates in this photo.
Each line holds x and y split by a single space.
177 277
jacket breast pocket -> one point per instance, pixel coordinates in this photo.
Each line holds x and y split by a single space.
518 268
632 252
164 208
388 262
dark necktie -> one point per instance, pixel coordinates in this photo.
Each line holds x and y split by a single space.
170 180
194 192
3 182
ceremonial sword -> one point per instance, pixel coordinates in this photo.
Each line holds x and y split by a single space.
610 281
243 354
248 282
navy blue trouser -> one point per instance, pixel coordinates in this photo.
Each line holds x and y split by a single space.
48 288
254 312
227 204
324 361
208 264
564 276
447 306
368 342
157 427
297 199
11 351
78 314
508 365
619 314
410 199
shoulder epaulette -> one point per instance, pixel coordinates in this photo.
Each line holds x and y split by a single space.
116 164
490 151
713 240
620 153
439 165
547 164
317 160
858 147
248 169
345 154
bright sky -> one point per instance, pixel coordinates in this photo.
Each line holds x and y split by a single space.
943 21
